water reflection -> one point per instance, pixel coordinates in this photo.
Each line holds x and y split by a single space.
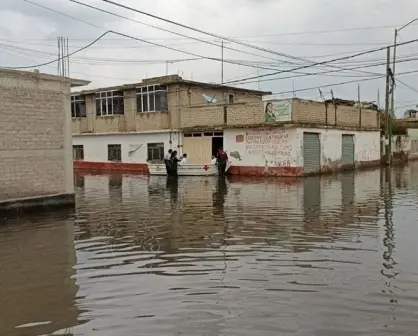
37 288
209 256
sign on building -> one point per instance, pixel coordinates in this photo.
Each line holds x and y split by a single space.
278 110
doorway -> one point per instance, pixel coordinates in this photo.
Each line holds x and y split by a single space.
217 142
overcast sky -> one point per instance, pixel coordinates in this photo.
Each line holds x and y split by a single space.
315 30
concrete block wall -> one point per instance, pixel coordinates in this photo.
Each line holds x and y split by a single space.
35 137
312 112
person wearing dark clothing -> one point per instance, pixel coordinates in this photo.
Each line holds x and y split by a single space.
174 164
167 161
222 161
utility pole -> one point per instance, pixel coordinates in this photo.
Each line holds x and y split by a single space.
387 118
222 62
395 41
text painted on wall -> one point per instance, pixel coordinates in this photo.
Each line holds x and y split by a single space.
273 144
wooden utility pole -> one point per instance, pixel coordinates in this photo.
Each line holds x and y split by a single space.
387 112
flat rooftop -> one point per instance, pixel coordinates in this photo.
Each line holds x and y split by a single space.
171 79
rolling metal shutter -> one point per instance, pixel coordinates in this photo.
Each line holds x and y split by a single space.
311 153
347 149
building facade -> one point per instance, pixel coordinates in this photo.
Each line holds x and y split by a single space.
35 138
124 128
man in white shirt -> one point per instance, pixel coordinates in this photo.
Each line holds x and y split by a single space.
167 158
183 160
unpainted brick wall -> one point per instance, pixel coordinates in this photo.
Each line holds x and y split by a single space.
32 155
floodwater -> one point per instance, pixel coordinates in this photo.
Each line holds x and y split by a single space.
331 256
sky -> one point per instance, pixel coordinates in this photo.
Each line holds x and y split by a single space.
279 35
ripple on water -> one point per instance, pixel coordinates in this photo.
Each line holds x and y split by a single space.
319 256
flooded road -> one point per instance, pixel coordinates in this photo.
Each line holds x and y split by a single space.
331 256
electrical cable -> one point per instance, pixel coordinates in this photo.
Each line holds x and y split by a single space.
323 62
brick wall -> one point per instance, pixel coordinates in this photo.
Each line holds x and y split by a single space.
35 137
305 111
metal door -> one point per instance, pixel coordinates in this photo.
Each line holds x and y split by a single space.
198 149
311 153
347 149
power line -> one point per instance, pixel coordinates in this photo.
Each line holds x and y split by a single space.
169 31
56 60
341 83
407 85
322 73
319 63
207 33
141 40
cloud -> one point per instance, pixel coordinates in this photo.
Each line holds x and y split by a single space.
28 36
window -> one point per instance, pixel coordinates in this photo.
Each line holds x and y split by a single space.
155 152
152 98
230 99
114 153
78 152
78 106
109 103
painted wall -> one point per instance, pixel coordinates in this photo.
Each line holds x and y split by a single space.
279 151
367 145
134 146
262 147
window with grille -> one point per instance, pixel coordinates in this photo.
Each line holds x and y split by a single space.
78 106
109 103
114 152
155 151
78 152
152 98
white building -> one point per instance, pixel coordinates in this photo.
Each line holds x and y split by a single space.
123 128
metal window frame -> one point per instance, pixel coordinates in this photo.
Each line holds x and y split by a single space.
77 99
78 149
140 92
105 95
115 148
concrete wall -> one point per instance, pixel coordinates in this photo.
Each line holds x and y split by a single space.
263 147
367 145
95 146
35 137
279 150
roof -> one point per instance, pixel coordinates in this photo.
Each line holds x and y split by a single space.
79 82
172 79
39 75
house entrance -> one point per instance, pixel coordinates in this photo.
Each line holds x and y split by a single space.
200 146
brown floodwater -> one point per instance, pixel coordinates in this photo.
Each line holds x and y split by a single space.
331 256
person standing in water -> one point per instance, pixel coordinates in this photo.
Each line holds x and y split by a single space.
167 158
174 164
222 161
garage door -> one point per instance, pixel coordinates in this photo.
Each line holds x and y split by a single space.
198 149
311 152
347 149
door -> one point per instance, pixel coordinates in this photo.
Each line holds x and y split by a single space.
311 153
347 149
198 149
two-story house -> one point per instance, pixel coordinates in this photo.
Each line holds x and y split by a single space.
125 127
